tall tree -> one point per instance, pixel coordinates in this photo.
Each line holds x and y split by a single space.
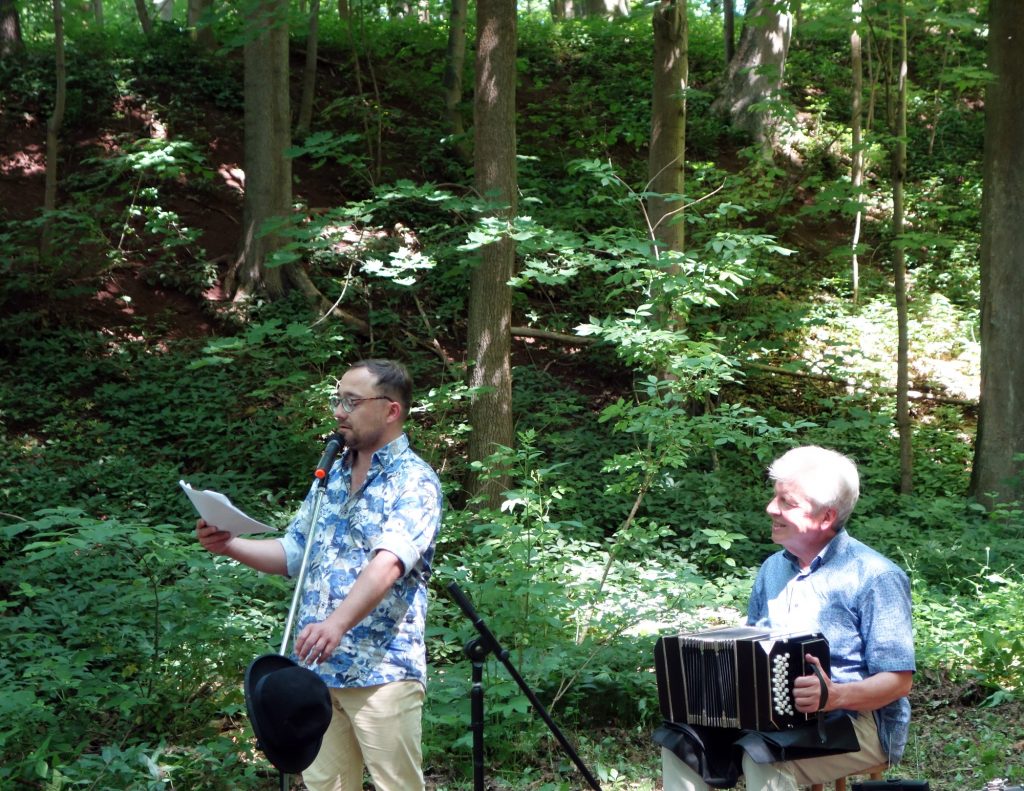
200 22
856 126
10 29
309 72
455 61
144 18
53 125
164 10
754 75
729 29
268 171
666 158
490 295
998 472
899 174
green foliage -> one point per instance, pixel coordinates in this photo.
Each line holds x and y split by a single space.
974 632
106 623
637 495
566 607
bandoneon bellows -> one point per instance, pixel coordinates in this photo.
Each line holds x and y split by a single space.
735 677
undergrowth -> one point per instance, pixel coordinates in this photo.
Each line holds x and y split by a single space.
636 503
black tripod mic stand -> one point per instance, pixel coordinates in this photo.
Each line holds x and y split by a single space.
477 650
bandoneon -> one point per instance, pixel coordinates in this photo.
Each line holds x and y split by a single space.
735 677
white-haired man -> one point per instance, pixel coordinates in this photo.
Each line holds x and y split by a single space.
825 580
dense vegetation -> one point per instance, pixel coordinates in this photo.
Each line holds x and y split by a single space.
634 508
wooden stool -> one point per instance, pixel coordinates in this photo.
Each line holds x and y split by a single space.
875 773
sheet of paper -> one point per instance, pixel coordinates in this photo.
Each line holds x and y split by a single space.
216 509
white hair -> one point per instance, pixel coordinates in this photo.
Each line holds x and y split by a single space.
827 478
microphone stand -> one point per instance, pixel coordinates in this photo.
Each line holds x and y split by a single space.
335 445
477 650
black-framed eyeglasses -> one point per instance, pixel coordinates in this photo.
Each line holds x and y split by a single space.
348 403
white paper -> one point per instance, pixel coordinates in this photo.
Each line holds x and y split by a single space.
217 510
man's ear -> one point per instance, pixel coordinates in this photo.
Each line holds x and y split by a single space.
828 519
394 412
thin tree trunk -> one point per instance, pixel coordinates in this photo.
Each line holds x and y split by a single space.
267 136
199 21
53 126
490 296
729 29
666 159
309 73
454 64
903 353
144 17
857 166
869 119
164 10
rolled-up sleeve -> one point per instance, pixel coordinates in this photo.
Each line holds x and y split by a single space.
412 524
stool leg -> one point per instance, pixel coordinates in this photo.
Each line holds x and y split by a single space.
841 784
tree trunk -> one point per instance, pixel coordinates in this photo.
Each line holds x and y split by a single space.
144 17
53 126
666 159
565 9
729 29
164 10
309 73
899 165
755 73
97 13
490 296
268 172
11 41
998 474
199 13
608 9
455 62
857 163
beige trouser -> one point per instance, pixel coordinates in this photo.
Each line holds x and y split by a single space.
787 775
376 726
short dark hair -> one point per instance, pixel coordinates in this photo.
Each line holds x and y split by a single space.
393 380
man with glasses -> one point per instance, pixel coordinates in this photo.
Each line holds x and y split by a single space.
362 617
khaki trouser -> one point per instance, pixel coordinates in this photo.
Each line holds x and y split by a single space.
787 775
379 727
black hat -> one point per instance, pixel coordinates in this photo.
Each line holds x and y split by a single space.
289 708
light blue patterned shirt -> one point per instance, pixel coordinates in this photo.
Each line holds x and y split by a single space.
397 509
860 601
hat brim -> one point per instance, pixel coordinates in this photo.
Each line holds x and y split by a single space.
290 759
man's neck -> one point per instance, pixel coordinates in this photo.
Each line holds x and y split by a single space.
360 458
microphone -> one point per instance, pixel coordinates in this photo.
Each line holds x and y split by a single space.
335 444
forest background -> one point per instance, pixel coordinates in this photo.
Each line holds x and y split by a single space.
655 349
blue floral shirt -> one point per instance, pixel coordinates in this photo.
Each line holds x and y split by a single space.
398 509
860 601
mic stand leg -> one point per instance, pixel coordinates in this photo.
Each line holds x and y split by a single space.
490 644
477 653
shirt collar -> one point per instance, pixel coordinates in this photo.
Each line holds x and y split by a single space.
828 552
382 457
